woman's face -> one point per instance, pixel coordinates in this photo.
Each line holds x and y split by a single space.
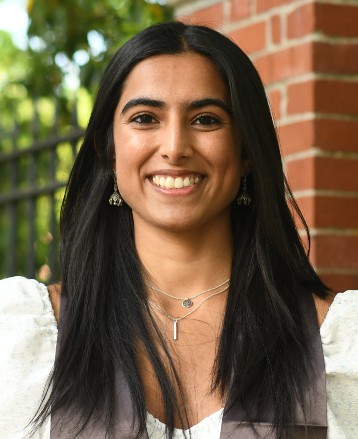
177 154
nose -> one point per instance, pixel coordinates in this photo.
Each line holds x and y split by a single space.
176 142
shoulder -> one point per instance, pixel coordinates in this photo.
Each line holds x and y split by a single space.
26 315
336 303
340 325
19 295
28 339
344 305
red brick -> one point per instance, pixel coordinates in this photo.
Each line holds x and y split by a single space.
326 134
330 20
239 9
323 173
301 21
337 20
336 135
338 212
327 212
308 57
301 97
301 174
336 97
212 16
325 96
340 282
335 251
297 136
285 63
276 29
251 38
264 5
335 58
336 174
275 102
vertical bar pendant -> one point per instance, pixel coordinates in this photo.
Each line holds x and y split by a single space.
175 329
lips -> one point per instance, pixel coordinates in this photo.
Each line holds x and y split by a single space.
175 182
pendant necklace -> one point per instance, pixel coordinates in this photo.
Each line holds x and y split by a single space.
187 302
175 320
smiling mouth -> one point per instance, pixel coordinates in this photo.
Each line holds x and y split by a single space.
168 182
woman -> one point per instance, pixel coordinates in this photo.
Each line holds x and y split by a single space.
187 297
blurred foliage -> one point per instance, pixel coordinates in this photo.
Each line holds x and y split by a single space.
48 89
81 35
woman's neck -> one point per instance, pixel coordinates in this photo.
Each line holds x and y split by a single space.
185 263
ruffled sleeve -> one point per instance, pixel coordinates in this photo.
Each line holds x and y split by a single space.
28 336
339 334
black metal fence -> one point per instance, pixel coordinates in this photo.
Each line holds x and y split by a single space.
32 182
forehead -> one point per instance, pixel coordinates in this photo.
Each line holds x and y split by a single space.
186 76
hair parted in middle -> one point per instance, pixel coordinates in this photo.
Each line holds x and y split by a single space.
261 355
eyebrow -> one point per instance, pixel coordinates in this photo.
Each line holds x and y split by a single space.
193 105
143 101
200 103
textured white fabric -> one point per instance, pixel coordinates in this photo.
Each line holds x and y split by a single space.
28 336
339 334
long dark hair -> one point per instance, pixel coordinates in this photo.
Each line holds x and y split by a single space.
262 354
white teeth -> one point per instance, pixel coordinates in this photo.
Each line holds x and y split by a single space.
169 183
175 183
186 181
178 183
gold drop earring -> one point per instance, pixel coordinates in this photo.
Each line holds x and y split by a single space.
115 199
244 198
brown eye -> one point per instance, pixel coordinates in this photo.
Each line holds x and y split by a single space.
206 120
143 119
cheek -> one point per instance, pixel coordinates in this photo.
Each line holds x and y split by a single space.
130 160
132 146
228 157
126 152
123 161
231 168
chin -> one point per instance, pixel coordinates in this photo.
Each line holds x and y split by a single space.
172 223
176 226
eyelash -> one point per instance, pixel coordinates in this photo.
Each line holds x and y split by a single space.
213 120
136 118
206 119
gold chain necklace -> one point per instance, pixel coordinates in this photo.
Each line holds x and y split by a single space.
175 320
187 302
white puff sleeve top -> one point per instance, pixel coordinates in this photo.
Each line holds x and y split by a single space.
28 336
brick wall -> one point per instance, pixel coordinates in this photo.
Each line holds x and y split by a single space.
307 55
